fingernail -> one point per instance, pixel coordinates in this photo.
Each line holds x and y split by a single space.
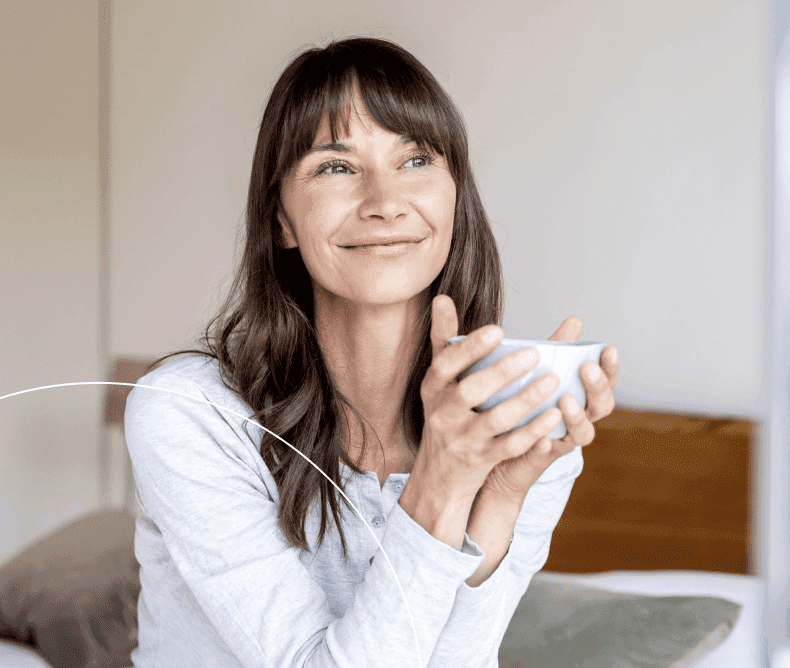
594 373
614 356
572 407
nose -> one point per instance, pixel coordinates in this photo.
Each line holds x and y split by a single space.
382 195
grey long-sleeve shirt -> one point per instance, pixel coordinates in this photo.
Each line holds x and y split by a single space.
221 587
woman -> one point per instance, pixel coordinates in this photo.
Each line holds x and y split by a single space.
326 332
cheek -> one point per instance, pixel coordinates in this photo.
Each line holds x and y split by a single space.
315 215
438 199
439 211
445 207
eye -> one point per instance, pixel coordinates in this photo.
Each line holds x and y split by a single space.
329 165
424 156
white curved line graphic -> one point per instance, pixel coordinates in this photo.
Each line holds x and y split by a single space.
223 408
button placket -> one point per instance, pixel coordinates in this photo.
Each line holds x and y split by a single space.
377 522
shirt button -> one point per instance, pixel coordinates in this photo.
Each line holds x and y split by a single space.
398 486
377 521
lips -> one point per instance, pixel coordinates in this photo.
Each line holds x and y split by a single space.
383 241
384 251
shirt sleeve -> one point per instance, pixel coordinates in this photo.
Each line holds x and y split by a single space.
200 484
481 615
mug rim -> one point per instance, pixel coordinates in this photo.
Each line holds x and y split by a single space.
533 342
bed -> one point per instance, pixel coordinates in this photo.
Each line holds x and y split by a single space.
650 563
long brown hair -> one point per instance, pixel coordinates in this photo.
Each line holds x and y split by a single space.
263 336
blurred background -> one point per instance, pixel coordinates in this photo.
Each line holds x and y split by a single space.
624 152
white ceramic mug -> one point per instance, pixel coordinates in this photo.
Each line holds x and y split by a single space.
565 358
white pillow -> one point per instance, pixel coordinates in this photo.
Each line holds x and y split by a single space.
15 655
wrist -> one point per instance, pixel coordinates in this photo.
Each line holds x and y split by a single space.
491 524
442 513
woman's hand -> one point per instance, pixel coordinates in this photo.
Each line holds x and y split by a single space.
512 478
461 446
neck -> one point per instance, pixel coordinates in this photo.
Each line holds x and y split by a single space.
368 349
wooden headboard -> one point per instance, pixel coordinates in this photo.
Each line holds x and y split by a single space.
660 491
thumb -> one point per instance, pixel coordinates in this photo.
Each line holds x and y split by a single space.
444 322
569 330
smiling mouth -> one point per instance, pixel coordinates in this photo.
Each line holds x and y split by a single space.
398 249
397 243
385 240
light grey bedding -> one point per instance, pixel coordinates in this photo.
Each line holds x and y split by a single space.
72 596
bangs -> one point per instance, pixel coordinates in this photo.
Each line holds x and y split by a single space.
400 98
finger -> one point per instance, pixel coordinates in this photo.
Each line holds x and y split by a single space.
444 322
569 330
558 448
526 438
542 450
449 361
580 429
503 417
562 447
600 400
540 456
610 364
484 383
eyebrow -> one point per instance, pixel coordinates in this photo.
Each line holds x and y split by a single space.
345 148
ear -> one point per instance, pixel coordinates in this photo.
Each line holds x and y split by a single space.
290 240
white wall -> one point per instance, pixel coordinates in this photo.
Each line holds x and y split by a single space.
619 149
189 91
49 265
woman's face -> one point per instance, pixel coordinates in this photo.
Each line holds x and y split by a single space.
379 185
